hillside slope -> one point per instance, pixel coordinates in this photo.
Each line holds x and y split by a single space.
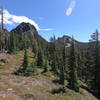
39 87
30 31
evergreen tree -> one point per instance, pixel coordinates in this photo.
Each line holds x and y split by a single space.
73 81
26 61
53 55
40 59
95 84
35 48
2 40
87 66
23 69
31 70
46 66
82 64
63 67
12 43
26 69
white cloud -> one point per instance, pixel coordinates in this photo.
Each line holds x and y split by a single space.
11 19
70 8
47 29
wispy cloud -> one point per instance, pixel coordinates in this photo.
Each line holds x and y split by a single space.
70 8
41 18
47 29
12 19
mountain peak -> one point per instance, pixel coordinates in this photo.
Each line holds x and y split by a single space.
24 27
65 38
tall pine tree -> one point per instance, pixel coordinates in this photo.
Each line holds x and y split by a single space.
53 55
63 66
95 84
23 68
73 80
40 59
12 43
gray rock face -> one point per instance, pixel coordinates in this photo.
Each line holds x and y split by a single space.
24 27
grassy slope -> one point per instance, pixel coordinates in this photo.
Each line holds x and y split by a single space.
40 87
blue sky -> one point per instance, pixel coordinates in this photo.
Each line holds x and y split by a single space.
60 17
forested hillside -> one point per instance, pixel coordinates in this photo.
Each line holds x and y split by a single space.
32 68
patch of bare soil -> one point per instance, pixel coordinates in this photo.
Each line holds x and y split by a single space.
6 57
9 93
12 80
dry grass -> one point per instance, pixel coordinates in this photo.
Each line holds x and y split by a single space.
39 87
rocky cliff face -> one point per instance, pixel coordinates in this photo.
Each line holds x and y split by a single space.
24 27
67 41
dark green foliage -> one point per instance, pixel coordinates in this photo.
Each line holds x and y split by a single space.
25 35
24 66
63 67
3 40
68 63
53 55
26 69
82 65
12 43
86 66
31 70
40 59
73 81
95 61
46 66
25 61
35 49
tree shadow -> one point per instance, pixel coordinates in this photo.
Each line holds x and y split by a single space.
56 81
59 90
30 97
87 89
